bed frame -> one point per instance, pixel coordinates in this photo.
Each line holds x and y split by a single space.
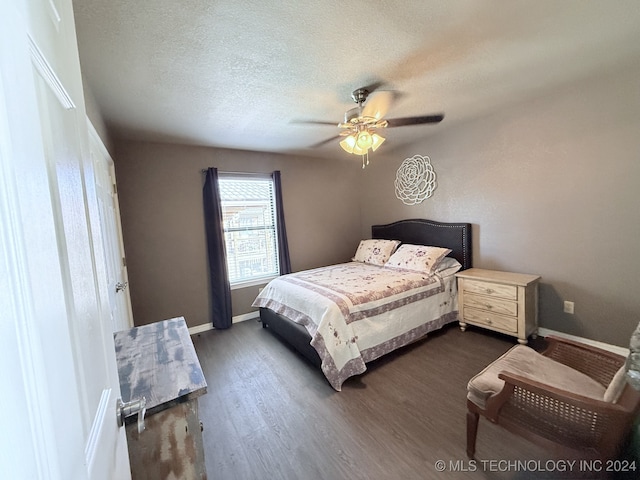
456 236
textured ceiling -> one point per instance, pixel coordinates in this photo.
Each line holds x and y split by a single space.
239 73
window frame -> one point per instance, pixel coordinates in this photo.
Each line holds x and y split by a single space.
242 176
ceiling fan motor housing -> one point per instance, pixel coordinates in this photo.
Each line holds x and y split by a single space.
352 114
360 95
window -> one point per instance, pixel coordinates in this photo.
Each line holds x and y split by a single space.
249 219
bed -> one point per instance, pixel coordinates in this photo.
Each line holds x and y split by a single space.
343 316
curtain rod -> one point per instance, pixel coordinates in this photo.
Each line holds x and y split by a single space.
204 170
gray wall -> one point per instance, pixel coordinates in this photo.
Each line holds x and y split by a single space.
552 187
160 193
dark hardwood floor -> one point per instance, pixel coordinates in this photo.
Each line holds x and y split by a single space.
269 414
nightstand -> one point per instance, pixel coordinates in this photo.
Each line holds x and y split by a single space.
501 301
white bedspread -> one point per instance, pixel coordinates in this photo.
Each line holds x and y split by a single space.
356 312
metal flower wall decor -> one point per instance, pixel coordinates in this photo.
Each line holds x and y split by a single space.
415 180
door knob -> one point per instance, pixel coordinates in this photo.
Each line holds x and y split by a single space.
121 286
124 410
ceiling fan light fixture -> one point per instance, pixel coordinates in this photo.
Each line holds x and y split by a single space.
363 140
359 143
359 151
348 143
376 140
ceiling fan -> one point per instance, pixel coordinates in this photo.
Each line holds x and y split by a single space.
361 123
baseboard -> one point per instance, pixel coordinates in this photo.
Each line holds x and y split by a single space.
200 328
237 319
543 332
246 316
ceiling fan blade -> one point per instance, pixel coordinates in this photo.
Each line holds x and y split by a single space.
401 122
314 122
379 103
324 142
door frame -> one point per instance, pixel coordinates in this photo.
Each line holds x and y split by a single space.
96 142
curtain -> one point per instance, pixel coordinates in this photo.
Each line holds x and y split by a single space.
283 245
220 302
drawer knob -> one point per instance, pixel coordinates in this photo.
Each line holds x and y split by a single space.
489 307
490 290
489 321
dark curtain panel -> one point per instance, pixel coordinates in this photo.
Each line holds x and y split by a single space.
283 245
218 277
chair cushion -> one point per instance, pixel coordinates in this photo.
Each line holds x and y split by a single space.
525 361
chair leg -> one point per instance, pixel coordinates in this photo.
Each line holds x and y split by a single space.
472 432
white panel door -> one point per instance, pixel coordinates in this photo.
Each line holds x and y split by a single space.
55 309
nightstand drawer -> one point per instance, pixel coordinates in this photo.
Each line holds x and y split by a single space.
492 289
492 304
492 320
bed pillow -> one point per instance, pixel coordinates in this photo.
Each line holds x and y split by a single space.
375 251
447 266
417 257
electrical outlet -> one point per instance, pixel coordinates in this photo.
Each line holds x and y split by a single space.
568 307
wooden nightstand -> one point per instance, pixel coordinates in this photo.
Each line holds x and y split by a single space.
502 301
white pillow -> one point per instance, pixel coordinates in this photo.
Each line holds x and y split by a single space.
420 258
447 266
375 251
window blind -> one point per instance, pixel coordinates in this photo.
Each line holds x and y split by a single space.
249 219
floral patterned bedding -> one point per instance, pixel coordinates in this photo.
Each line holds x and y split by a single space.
356 312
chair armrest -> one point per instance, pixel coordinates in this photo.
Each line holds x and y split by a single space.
599 364
565 396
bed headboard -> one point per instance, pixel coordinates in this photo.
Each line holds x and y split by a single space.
456 236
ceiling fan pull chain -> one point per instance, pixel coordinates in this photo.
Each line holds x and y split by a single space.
365 159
